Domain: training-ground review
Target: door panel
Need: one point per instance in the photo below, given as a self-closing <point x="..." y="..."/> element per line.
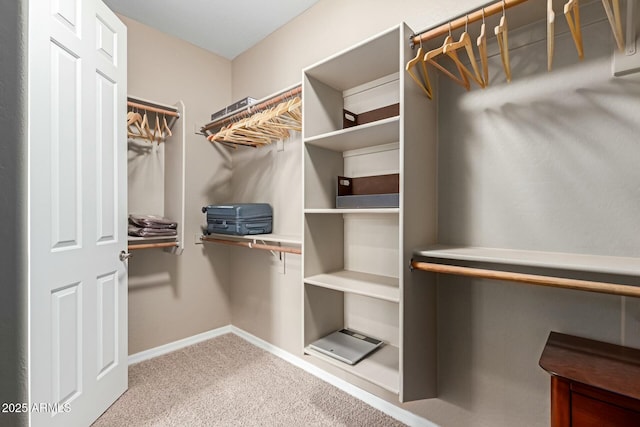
<point x="106" y="41"/>
<point x="67" y="13"/>
<point x="67" y="348"/>
<point x="107" y="331"/>
<point x="66" y="179"/>
<point x="106" y="165"/>
<point x="77" y="205"/>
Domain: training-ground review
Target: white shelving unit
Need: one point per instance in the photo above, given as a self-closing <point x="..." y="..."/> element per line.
<point x="356" y="261"/>
<point x="165" y="197"/>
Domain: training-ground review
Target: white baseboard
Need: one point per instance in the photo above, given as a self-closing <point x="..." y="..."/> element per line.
<point x="390" y="409"/>
<point x="177" y="345"/>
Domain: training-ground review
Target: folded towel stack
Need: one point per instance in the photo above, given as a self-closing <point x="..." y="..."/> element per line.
<point x="151" y="226"/>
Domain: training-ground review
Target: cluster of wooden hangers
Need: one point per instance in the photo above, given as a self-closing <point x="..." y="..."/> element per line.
<point x="451" y="48"/>
<point x="264" y="127"/>
<point x="572" y="14"/>
<point x="138" y="125"/>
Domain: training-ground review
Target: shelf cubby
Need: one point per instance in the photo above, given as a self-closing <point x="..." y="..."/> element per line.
<point x="380" y="368"/>
<point x="329" y="310"/>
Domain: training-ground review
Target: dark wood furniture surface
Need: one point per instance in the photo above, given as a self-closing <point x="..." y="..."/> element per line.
<point x="592" y="383"/>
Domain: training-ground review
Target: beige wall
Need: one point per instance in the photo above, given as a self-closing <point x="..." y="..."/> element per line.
<point x="542" y="163"/>
<point x="266" y="291"/>
<point x="334" y="25"/>
<point x="174" y="297"/>
<point x="323" y="30"/>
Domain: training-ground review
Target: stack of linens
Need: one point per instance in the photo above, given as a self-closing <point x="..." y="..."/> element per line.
<point x="151" y="226"/>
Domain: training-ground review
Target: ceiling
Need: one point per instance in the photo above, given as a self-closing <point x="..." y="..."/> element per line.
<point x="224" y="27"/>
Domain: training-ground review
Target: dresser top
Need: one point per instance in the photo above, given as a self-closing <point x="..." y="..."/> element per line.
<point x="606" y="366"/>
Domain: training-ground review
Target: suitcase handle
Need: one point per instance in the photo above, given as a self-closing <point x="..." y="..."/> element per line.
<point x="220" y="224"/>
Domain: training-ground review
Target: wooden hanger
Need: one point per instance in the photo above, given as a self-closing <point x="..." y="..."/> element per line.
<point x="482" y="50"/>
<point x="222" y="132"/>
<point x="270" y="124"/>
<point x="572" y="13"/>
<point x="290" y="116"/>
<point x="157" y="130"/>
<point x="501" y="32"/>
<point x="424" y="83"/>
<point x="134" y="118"/>
<point x="615" y="20"/>
<point x="264" y="127"/>
<point x="165" y="125"/>
<point x="295" y="110"/>
<point x="146" y="128"/>
<point x="131" y="118"/>
<point x="451" y="50"/>
<point x="235" y="133"/>
<point x="551" y="19"/>
<point x="432" y="54"/>
<point x="249" y="130"/>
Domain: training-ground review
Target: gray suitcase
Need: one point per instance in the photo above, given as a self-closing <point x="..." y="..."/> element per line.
<point x="239" y="219"/>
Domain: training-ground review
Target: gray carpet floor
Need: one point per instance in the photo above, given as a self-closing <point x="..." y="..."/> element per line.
<point x="227" y="381"/>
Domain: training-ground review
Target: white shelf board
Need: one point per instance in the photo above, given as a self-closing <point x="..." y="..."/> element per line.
<point x="380" y="368"/>
<point x="557" y="260"/>
<point x="354" y="211"/>
<point x="371" y="285"/>
<point x="275" y="238"/>
<point x="368" y="135"/>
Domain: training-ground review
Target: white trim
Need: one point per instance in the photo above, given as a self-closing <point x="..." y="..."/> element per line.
<point x="388" y="408"/>
<point x="177" y="345"/>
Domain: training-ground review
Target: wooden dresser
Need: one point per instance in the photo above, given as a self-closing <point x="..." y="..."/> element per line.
<point x="592" y="383"/>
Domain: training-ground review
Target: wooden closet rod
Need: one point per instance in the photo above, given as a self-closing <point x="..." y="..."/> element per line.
<point x="461" y="21"/>
<point x="153" y="245"/>
<point x="531" y="279"/>
<point x="153" y="109"/>
<point x="252" y="245"/>
<point x="253" y="108"/>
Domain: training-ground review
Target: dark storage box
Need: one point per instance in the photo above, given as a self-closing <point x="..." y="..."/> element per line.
<point x="380" y="191"/>
<point x="239" y="219"/>
<point x="350" y="119"/>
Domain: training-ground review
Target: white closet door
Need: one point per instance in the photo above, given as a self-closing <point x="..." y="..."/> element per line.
<point x="77" y="203"/>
